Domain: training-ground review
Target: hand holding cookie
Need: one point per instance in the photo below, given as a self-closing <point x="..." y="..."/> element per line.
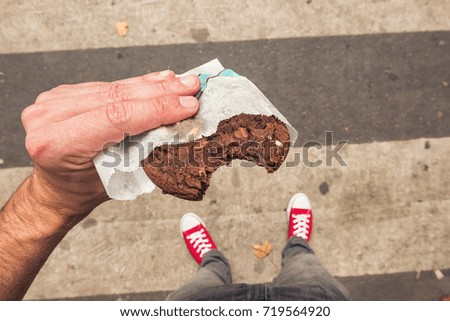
<point x="69" y="125"/>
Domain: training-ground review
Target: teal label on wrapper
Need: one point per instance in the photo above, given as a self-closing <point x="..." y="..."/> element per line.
<point x="205" y="77"/>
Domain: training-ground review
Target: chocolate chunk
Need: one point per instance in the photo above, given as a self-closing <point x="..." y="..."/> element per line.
<point x="185" y="170"/>
<point x="241" y="133"/>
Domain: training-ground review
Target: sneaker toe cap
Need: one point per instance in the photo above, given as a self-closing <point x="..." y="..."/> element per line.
<point x="189" y="221"/>
<point x="301" y="201"/>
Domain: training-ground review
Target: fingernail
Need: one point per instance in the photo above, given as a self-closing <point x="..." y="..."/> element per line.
<point x="188" y="101"/>
<point x="164" y="73"/>
<point x="189" y="81"/>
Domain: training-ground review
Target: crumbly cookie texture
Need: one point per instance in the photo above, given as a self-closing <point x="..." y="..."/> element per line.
<point x="184" y="170"/>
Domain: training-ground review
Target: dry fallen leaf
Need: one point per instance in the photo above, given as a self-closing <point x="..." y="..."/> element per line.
<point x="262" y="250"/>
<point x="418" y="274"/>
<point x="122" y="28"/>
<point x="439" y="275"/>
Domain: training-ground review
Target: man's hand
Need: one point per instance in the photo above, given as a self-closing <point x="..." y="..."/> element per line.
<point x="69" y="125"/>
<point x="66" y="128"/>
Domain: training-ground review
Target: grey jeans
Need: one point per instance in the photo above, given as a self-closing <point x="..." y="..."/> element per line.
<point x="302" y="277"/>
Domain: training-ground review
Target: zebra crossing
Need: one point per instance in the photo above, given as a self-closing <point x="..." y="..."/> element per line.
<point x="374" y="74"/>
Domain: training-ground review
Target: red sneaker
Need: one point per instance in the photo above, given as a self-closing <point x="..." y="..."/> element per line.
<point x="196" y="236"/>
<point x="300" y="217"/>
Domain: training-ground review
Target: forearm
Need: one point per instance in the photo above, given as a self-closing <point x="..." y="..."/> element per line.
<point x="29" y="231"/>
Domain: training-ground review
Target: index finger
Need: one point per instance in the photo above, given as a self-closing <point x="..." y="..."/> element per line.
<point x="87" y="88"/>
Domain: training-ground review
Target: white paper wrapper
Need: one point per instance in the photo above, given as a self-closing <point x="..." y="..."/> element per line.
<point x="119" y="166"/>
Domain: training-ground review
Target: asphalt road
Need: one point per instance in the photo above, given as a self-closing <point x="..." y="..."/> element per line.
<point x="362" y="88"/>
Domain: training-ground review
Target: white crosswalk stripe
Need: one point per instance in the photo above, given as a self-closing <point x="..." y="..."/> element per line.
<point x="376" y="218"/>
<point x="32" y="26"/>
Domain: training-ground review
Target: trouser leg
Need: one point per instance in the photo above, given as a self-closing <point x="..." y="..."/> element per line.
<point x="302" y="270"/>
<point x="213" y="271"/>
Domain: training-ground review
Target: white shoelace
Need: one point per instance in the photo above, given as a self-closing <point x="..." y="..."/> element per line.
<point x="201" y="243"/>
<point x="301" y="224"/>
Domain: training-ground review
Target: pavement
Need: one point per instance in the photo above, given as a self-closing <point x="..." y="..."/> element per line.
<point x="375" y="74"/>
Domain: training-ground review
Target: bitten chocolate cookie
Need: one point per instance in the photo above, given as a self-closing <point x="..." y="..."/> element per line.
<point x="184" y="170"/>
